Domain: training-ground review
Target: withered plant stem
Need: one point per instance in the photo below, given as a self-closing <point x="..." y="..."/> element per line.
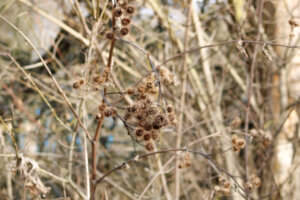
<point x="95" y="141"/>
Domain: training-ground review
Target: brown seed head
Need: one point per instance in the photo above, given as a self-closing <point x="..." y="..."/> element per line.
<point x="98" y="79"/>
<point x="118" y="12"/>
<point x="241" y="143"/>
<point x="266" y="141"/>
<point x="76" y="85"/>
<point x="149" y="85"/>
<point x="124" y="31"/>
<point x="147" y="126"/>
<point x="142" y="96"/>
<point x="226" y="184"/>
<point x="188" y="164"/>
<point x="81" y="81"/>
<point x="147" y="137"/>
<point x="141" y="89"/>
<point x="169" y="109"/>
<point x="236" y="149"/>
<point x="130" y="10"/>
<point x="125" y="21"/>
<point x="255" y="181"/>
<point x="149" y="146"/>
<point x="139" y="132"/>
<point x="293" y="23"/>
<point x="132" y="109"/>
<point x="123" y="4"/>
<point x="130" y="91"/>
<point x="109" y="36"/>
<point x="152" y="111"/>
<point x="140" y="117"/>
<point x="249" y="187"/>
<point x="234" y="139"/>
<point x="108" y="112"/>
<point x="98" y="116"/>
<point x="254" y="132"/>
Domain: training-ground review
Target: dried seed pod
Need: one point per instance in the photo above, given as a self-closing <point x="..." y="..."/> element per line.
<point x="226" y="184"/>
<point x="241" y="143"/>
<point x="254" y="132"/>
<point x="152" y="111"/>
<point x="139" y="132"/>
<point x="293" y="23"/>
<point x="98" y="116"/>
<point x="159" y="118"/>
<point x="124" y="31"/>
<point x="143" y="106"/>
<point x="159" y="121"/>
<point x="169" y="109"/>
<point x="81" y="81"/>
<point x="98" y="79"/>
<point x="147" y="137"/>
<point x="234" y="139"/>
<point x="132" y="109"/>
<point x="130" y="91"/>
<point x="76" y="85"/>
<point x="149" y="146"/>
<point x="236" y="148"/>
<point x="147" y="126"/>
<point x="266" y="141"/>
<point x="142" y="96"/>
<point x="123" y="4"/>
<point x="156" y="126"/>
<point x="188" y="164"/>
<point x="125" y="21"/>
<point x="256" y="182"/>
<point x="118" y="12"/>
<point x="249" y="187"/>
<point x="130" y="10"/>
<point x="149" y="85"/>
<point x="108" y="112"/>
<point x="141" y="89"/>
<point x="109" y="36"/>
<point x="139" y="117"/>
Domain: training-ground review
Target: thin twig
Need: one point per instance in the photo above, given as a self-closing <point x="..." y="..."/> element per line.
<point x="249" y="92"/>
<point x="182" y="103"/>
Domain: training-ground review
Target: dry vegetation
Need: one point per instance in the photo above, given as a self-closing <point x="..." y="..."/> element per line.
<point x="141" y="100"/>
